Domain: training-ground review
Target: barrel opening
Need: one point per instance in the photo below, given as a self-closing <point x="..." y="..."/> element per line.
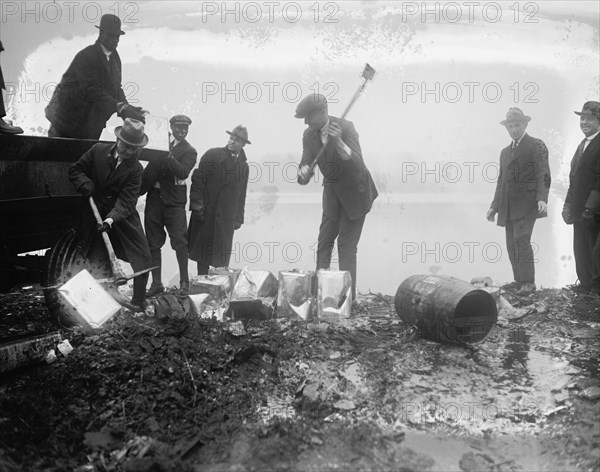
<point x="474" y="317"/>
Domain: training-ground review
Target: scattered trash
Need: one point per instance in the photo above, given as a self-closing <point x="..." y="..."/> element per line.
<point x="591" y="393"/>
<point x="482" y="282"/>
<point x="65" y="347"/>
<point x="27" y="351"/>
<point x="236" y="328"/>
<point x="344" y="405"/>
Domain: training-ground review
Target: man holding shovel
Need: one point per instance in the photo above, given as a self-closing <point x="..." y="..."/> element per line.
<point x="112" y="175"/>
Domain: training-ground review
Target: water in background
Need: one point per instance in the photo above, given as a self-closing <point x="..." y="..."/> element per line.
<point x="404" y="235"/>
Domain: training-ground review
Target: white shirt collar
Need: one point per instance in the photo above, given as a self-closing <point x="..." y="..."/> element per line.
<point x="106" y="52"/>
<point x="589" y="138"/>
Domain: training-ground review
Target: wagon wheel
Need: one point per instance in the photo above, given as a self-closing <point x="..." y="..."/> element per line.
<point x="65" y="260"/>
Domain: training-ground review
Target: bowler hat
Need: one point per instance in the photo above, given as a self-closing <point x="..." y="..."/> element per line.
<point x="132" y="133"/>
<point x="590" y="108"/>
<point x="180" y="120"/>
<point x="310" y="104"/>
<point x="240" y="132"/>
<point x="111" y="24"/>
<point x="515" y="114"/>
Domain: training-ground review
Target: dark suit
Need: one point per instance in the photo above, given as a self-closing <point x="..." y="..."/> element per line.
<point x="348" y="195"/>
<point x="165" y="205"/>
<point x="87" y="95"/>
<point x="524" y="179"/>
<point x="2" y="87"/>
<point x="584" y="192"/>
<point x="116" y="195"/>
<point x="219" y="187"/>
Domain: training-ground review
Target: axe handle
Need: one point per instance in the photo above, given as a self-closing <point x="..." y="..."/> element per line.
<point x="114" y="264"/>
<point x="352" y="102"/>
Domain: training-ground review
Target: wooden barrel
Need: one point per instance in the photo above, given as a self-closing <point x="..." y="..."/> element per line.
<point x="446" y="309"/>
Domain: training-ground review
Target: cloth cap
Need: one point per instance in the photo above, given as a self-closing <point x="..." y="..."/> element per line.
<point x="310" y="104"/>
<point x="132" y="132"/>
<point x="181" y="119"/>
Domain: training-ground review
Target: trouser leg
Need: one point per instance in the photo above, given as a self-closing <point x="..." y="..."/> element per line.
<point x="176" y="224"/>
<point x="155" y="232"/>
<point x="522" y="230"/>
<point x="349" y="235"/>
<point x="582" y="253"/>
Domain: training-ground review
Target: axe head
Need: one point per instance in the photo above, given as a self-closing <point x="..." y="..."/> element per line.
<point x="368" y="73"/>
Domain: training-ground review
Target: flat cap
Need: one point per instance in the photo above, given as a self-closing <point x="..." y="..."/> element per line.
<point x="590" y="108"/>
<point x="181" y="119"/>
<point x="311" y="104"/>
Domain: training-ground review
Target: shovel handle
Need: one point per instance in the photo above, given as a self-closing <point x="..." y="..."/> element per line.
<point x="120" y="277"/>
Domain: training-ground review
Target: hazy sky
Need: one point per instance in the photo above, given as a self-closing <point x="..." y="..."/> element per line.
<point x="447" y="72"/>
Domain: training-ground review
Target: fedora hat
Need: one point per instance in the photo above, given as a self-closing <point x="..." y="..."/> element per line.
<point x="515" y="114"/>
<point x="111" y="24"/>
<point x="590" y="108"/>
<point x="310" y="104"/>
<point x="132" y="133"/>
<point x="240" y="132"/>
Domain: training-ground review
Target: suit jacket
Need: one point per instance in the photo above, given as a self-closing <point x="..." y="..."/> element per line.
<point x="87" y="94"/>
<point x="219" y="187"/>
<point x="116" y="194"/>
<point x="347" y="181"/>
<point x="171" y="173"/>
<point x="584" y="180"/>
<point x="524" y="179"/>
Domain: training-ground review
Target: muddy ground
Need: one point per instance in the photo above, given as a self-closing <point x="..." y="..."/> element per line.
<point x="148" y="394"/>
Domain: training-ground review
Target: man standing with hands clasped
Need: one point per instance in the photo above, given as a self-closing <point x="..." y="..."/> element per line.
<point x="521" y="197"/>
<point x="582" y="203"/>
<point x="217" y="201"/>
<point x="348" y="189"/>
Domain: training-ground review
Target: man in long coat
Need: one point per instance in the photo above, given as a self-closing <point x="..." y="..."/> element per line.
<point x="4" y="126"/>
<point x="348" y="189"/>
<point x="521" y="197"/>
<point x="112" y="174"/>
<point x="582" y="204"/>
<point x="217" y="201"/>
<point x="164" y="181"/>
<point x="90" y="90"/>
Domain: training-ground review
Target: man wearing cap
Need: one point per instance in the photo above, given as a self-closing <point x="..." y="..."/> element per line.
<point x="165" y="183"/>
<point x="582" y="203"/>
<point x="217" y="201"/>
<point x="348" y="189"/>
<point x="521" y="197"/>
<point x="90" y="90"/>
<point x="112" y="174"/>
<point x="5" y="127"/>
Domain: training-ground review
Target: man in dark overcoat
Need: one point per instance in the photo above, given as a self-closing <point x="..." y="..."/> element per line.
<point x="90" y="90"/>
<point x="165" y="183"/>
<point x="5" y="127"/>
<point x="521" y="197"/>
<point x="112" y="174"/>
<point x="582" y="203"/>
<point x="348" y="189"/>
<point x="217" y="201"/>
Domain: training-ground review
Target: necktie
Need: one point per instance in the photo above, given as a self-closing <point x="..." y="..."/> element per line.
<point x="586" y="141"/>
<point x="579" y="153"/>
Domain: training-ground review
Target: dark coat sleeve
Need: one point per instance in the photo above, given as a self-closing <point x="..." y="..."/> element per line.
<point x="183" y="165"/>
<point x="239" y="217"/>
<point x="128" y="196"/>
<point x="543" y="179"/>
<point x="199" y="179"/>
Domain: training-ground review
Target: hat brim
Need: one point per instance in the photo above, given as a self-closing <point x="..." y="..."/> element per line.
<point x="238" y="136"/>
<point x="108" y="31"/>
<point x="579" y="113"/>
<point x="525" y="119"/>
<point x="140" y="144"/>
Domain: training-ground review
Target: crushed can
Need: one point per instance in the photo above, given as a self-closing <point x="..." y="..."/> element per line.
<point x="294" y="299"/>
<point x="87" y="303"/>
<point x="233" y="274"/>
<point x="334" y="294"/>
<point x="254" y="296"/>
<point x="219" y="286"/>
